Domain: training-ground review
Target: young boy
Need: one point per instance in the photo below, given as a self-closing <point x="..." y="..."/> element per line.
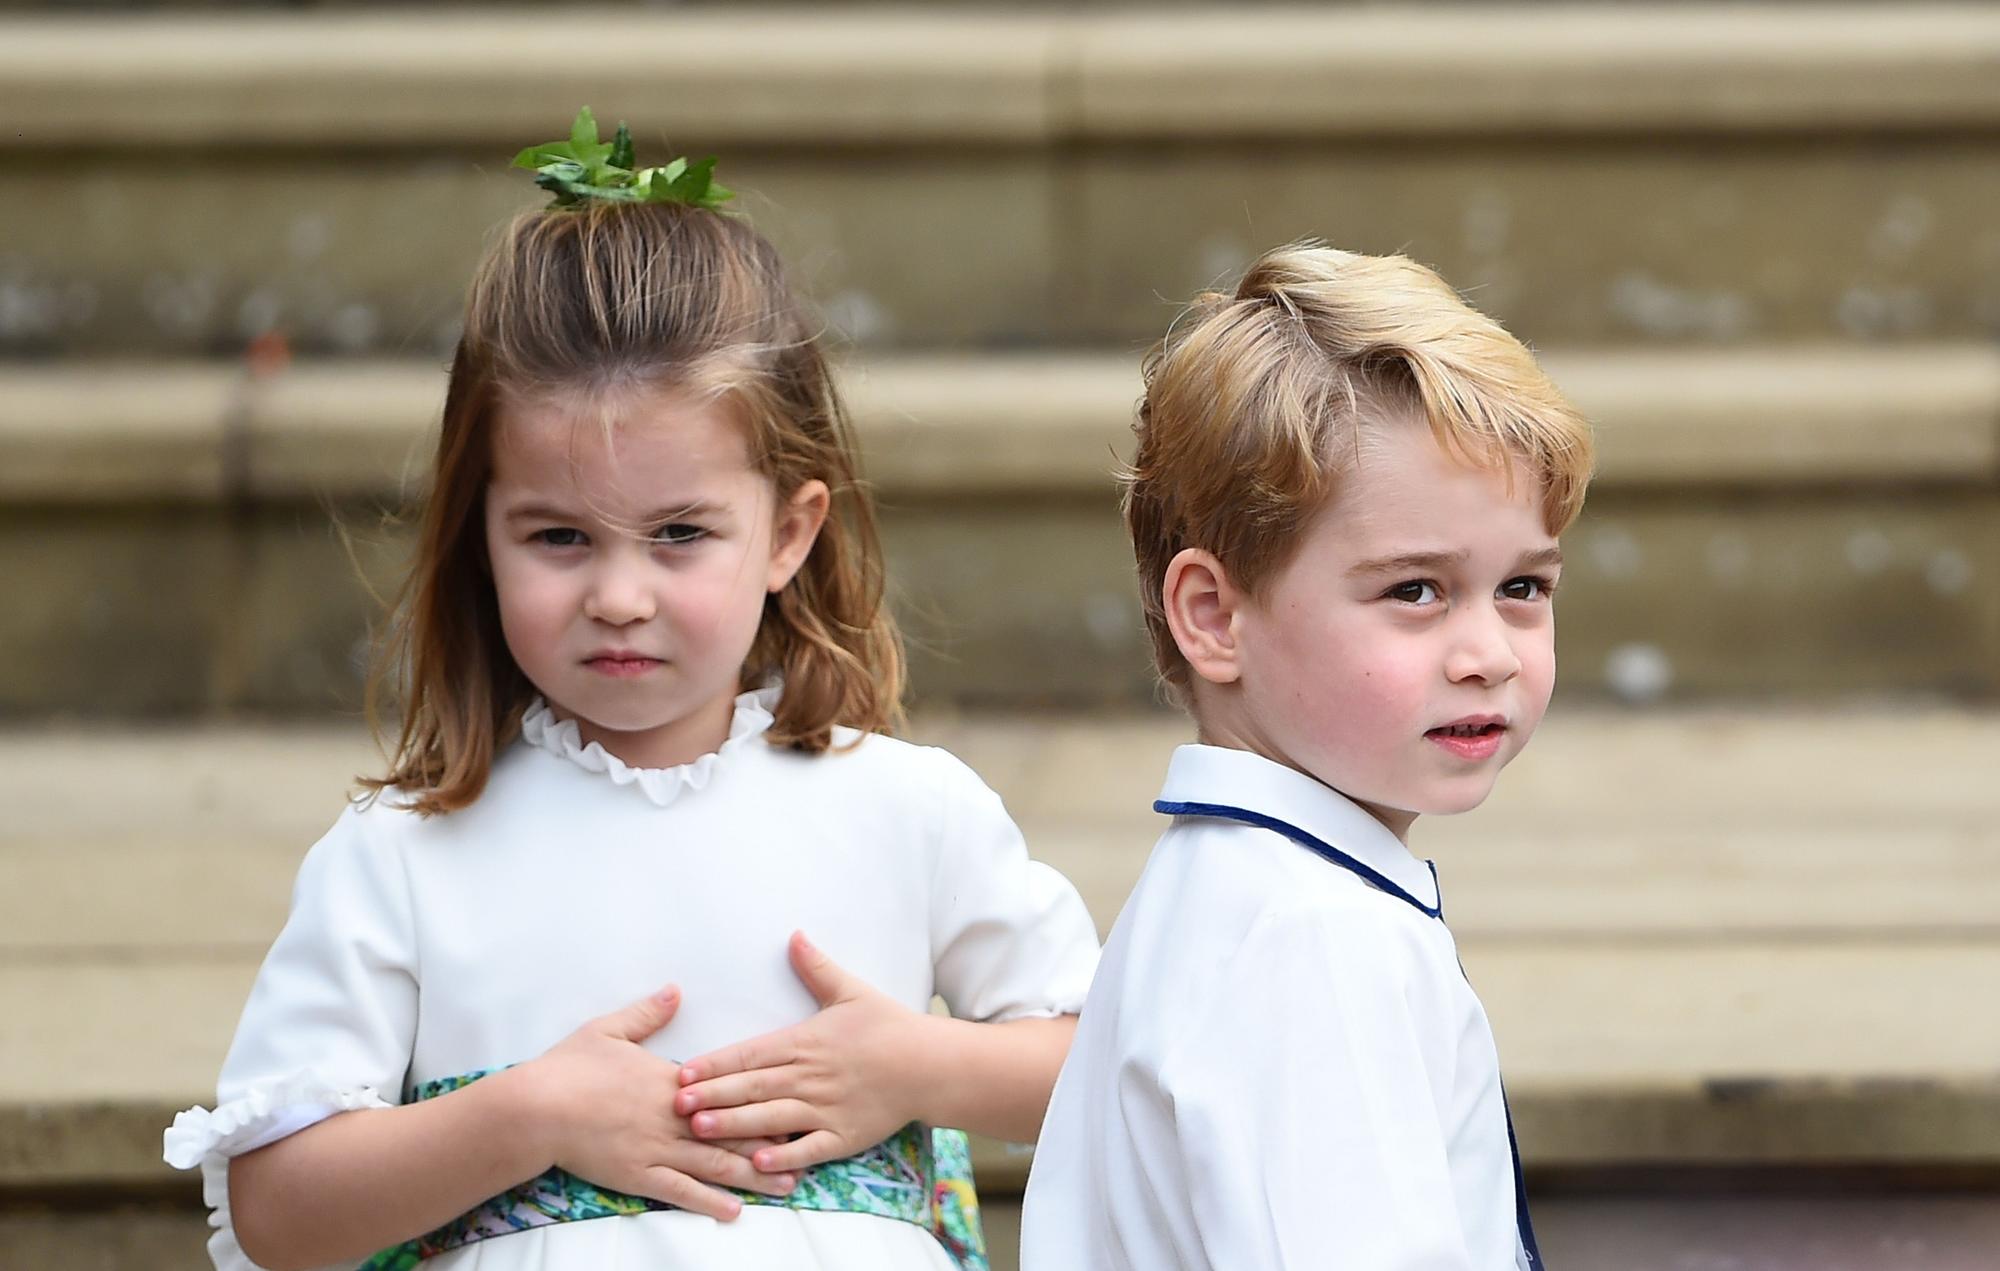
<point x="1345" y="507"/>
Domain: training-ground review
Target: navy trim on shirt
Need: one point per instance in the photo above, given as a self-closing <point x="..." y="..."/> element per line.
<point x="1318" y="846"/>
<point x="1524" y="1226"/>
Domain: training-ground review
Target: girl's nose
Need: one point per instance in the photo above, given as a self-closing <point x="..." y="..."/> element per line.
<point x="618" y="598"/>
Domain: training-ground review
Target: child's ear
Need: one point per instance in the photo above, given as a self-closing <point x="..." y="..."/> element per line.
<point x="795" y="530"/>
<point x="1202" y="605"/>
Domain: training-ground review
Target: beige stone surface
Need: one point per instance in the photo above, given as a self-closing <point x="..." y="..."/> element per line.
<point x="1704" y="938"/>
<point x="330" y="432"/>
<point x="931" y="426"/>
<point x="1663" y="1225"/>
<point x="1657" y="239"/>
<point x="1541" y="69"/>
<point x="317" y="586"/>
<point x="1703" y="1017"/>
<point x="1748" y="826"/>
<point x="118" y="432"/>
<point x="1688" y="594"/>
<point x="1616" y="173"/>
<point x="983" y="77"/>
<point x="118" y="612"/>
<point x="1660" y="240"/>
<point x="1753" y="531"/>
<point x="1022" y="425"/>
<point x="1751" y="596"/>
<point x="187" y="255"/>
<point x="955" y="425"/>
<point x="424" y="77"/>
<point x="131" y="1237"/>
<point x="1790" y="414"/>
<point x="1737" y="1053"/>
<point x="1701" y="594"/>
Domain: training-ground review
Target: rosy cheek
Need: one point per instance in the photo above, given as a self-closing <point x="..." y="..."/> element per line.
<point x="531" y="599"/>
<point x="700" y="600"/>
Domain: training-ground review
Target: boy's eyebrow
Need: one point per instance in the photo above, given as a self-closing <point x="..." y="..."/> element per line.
<point x="1540" y="558"/>
<point x="1410" y="560"/>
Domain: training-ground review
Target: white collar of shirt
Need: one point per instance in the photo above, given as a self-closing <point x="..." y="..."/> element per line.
<point x="751" y="717"/>
<point x="1217" y="781"/>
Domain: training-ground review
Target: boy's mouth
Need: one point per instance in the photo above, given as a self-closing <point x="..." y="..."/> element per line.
<point x="1474" y="738"/>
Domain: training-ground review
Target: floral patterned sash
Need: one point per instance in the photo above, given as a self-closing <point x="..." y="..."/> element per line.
<point x="917" y="1175"/>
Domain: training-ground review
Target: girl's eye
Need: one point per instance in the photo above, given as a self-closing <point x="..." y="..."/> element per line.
<point x="1418" y="592"/>
<point x="679" y="533"/>
<point x="1527" y="588"/>
<point x="560" y="536"/>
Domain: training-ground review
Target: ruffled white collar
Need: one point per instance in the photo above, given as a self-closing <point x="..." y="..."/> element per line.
<point x="561" y="737"/>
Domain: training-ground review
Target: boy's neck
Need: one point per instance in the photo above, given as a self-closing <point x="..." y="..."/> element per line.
<point x="1219" y="728"/>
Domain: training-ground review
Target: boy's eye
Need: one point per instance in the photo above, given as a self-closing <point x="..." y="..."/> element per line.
<point x="1527" y="588"/>
<point x="679" y="532"/>
<point x="560" y="536"/>
<point x="1417" y="592"/>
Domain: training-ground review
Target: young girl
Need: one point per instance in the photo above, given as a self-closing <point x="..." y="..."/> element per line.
<point x="647" y="671"/>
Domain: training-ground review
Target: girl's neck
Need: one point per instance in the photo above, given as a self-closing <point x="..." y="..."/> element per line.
<point x="670" y="745"/>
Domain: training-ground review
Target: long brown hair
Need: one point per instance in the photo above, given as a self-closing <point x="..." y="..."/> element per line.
<point x="602" y="298"/>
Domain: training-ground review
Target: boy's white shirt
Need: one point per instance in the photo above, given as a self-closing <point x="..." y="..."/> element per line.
<point x="1279" y="1065"/>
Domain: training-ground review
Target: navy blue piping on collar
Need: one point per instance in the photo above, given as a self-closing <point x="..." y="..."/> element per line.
<point x="1317" y="846"/>
<point x="1524" y="1225"/>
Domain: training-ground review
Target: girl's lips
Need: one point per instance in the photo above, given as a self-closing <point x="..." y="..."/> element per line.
<point x="1483" y="744"/>
<point x="622" y="666"/>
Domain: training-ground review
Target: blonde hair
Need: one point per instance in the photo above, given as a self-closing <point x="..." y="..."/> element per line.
<point x="601" y="299"/>
<point x="1255" y="401"/>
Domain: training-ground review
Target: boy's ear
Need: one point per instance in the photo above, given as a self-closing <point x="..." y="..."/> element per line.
<point x="1202" y="606"/>
<point x="796" y="530"/>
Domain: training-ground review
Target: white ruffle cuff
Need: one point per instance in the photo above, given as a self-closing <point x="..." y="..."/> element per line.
<point x="268" y="1111"/>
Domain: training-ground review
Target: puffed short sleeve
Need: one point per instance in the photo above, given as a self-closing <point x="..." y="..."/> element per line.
<point x="331" y="1020"/>
<point x="1302" y="1101"/>
<point x="1010" y="937"/>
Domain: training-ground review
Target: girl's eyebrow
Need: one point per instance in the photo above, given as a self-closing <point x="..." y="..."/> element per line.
<point x="537" y="512"/>
<point x="551" y="512"/>
<point x="700" y="507"/>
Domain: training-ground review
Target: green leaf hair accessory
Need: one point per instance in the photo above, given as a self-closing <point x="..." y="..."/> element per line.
<point x="584" y="168"/>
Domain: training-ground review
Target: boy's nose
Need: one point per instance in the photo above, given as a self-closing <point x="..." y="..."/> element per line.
<point x="1483" y="652"/>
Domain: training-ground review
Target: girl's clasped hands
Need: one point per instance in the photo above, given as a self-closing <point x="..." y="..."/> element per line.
<point x="751" y="1116"/>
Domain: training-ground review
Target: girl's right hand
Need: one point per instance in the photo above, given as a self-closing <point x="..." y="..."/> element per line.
<point x="604" y="1108"/>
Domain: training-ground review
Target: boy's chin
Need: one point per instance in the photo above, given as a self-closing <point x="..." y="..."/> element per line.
<point x="1454" y="800"/>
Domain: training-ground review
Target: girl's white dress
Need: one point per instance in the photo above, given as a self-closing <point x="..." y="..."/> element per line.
<point x="420" y="949"/>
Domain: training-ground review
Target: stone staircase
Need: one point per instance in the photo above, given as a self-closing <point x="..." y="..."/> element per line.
<point x="1803" y="521"/>
<point x="1731" y="913"/>
<point x="1728" y="955"/>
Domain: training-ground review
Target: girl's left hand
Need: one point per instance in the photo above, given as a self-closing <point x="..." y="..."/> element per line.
<point x="843" y="1080"/>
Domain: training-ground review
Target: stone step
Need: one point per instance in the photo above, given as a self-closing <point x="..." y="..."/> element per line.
<point x="949" y="426"/>
<point x="225" y="811"/>
<point x="980" y="177"/>
<point x="1753" y="533"/>
<point x="1665" y="1229"/>
<point x="1764" y="960"/>
<point x="984" y="74"/>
